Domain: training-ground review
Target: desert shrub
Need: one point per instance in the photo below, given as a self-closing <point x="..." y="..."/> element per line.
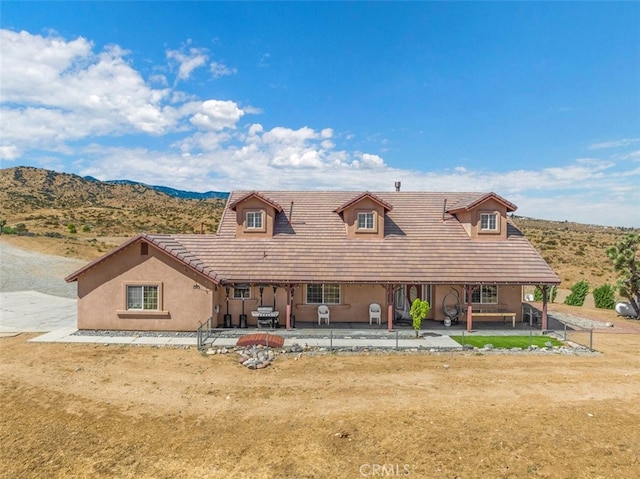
<point x="72" y="228"/>
<point x="19" y="229"/>
<point x="551" y="294"/>
<point x="604" y="297"/>
<point x="53" y="234"/>
<point x="579" y="292"/>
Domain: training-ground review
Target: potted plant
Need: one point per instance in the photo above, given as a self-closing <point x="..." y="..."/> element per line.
<point x="419" y="311"/>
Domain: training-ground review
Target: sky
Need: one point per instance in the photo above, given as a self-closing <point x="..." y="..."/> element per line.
<point x="536" y="101"/>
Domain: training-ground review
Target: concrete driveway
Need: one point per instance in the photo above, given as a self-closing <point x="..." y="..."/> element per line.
<point x="34" y="296"/>
<point x="31" y="311"/>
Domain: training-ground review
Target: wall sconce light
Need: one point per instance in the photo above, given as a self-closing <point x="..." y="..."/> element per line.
<point x="196" y="286"/>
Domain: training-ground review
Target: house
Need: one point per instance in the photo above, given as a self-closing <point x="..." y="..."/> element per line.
<point x="295" y="250"/>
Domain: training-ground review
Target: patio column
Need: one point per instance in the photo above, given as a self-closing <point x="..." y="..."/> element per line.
<point x="289" y="290"/>
<point x="545" y="289"/>
<point x="469" y="308"/>
<point x="390" y="307"/>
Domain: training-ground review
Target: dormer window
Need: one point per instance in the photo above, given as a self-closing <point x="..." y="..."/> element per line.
<point x="489" y="222"/>
<point x="366" y="221"/>
<point x="254" y="220"/>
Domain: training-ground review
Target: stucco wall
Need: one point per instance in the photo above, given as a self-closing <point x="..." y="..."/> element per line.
<point x="354" y="307"/>
<point x="254" y="204"/>
<point x="102" y="296"/>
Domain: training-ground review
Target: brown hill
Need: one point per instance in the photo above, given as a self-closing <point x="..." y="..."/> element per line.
<point x="53" y="205"/>
<point x="105" y="214"/>
<point x="575" y="251"/>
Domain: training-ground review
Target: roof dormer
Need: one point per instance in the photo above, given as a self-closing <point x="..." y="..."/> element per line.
<point x="483" y="216"/>
<point x="364" y="216"/>
<point x="255" y="215"/>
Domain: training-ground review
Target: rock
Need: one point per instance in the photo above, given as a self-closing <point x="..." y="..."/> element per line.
<point x="548" y="344"/>
<point x="488" y="346"/>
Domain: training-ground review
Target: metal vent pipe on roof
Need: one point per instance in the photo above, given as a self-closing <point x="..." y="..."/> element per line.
<point x="398" y="185"/>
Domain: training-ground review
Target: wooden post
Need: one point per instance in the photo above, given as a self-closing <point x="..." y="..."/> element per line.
<point x="469" y="308"/>
<point x="545" y="289"/>
<point x="289" y="290"/>
<point x="390" y="307"/>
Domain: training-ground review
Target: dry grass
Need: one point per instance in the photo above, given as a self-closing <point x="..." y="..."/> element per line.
<point x="87" y="411"/>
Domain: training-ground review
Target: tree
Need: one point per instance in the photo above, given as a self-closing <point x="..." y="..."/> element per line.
<point x="626" y="263"/>
<point x="419" y="311"/>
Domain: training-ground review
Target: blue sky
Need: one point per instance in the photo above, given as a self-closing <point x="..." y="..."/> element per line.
<point x="539" y="102"/>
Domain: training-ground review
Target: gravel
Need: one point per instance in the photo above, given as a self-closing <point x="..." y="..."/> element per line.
<point x="23" y="270"/>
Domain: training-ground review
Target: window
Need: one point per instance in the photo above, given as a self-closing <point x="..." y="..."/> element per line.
<point x="254" y="220"/>
<point x="240" y="292"/>
<point x="366" y="221"/>
<point x="489" y="222"/>
<point x="142" y="297"/>
<point x="485" y="294"/>
<point x="323" y="294"/>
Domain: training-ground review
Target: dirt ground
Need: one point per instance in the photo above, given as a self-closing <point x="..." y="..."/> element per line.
<point x="87" y="411"/>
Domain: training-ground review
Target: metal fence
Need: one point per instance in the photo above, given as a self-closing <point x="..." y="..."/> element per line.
<point x="576" y="334"/>
<point x="204" y="332"/>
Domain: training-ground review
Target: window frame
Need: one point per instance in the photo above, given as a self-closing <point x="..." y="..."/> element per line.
<point x="254" y="214"/>
<point x="371" y="215"/>
<point x="158" y="296"/>
<point x="325" y="296"/>
<point x="369" y="222"/>
<point x="495" y="228"/>
<point x="241" y="288"/>
<point x="485" y="294"/>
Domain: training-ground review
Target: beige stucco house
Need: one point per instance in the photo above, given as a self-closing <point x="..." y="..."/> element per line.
<point x="295" y="250"/>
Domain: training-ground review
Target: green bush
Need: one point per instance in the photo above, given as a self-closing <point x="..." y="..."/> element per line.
<point x="19" y="229"/>
<point x="551" y="294"/>
<point x="579" y="292"/>
<point x="419" y="311"/>
<point x="604" y="297"/>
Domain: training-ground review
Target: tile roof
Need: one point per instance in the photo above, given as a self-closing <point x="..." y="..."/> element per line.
<point x="310" y="245"/>
<point x="362" y="196"/>
<point x="164" y="243"/>
<point x="473" y="199"/>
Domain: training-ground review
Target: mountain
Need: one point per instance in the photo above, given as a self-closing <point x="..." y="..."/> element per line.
<point x="47" y="202"/>
<point x="185" y="195"/>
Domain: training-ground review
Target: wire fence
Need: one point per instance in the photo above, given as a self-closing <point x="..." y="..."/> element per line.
<point x="576" y="334"/>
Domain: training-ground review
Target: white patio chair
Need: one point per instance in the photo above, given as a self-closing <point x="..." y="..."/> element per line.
<point x="375" y="313"/>
<point x="323" y="313"/>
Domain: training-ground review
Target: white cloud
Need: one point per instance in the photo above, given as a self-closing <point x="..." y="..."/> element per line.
<point x="220" y="70"/>
<point x="9" y="153"/>
<point x="613" y="143"/>
<point x="216" y="115"/>
<point x="187" y="59"/>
